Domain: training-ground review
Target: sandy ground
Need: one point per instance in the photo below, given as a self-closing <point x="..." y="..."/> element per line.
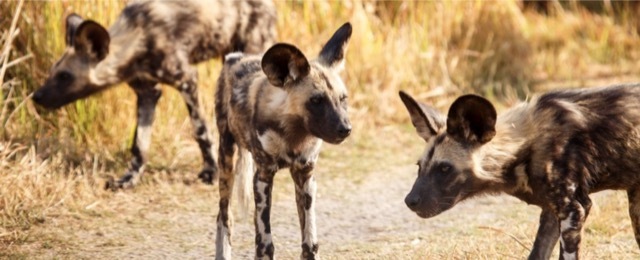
<point x="360" y="215"/>
<point x="365" y="219"/>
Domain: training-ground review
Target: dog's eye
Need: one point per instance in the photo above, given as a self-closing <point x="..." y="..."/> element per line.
<point x="63" y="76"/>
<point x="445" y="168"/>
<point x="316" y="100"/>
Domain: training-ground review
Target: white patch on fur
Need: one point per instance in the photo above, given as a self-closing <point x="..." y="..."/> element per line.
<point x="565" y="224"/>
<point x="143" y="138"/>
<point x="274" y="144"/>
<point x="223" y="241"/>
<point x="548" y="167"/>
<point x="310" y="234"/>
<point x="572" y="187"/>
<point x="338" y="86"/>
<point x="293" y="71"/>
<point x="568" y="256"/>
<point x="478" y="158"/>
<point x="244" y="171"/>
<point x="277" y="99"/>
<point x="234" y="55"/>
<point x="338" y="67"/>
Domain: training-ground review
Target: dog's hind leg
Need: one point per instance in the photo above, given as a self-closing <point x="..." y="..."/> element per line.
<point x="305" y="199"/>
<point x="225" y="187"/>
<point x="189" y="91"/>
<point x="633" y="195"/>
<point x="148" y="93"/>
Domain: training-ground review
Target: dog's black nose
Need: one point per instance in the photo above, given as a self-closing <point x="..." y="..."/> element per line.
<point x="412" y="201"/>
<point x="37" y="96"/>
<point x="344" y="130"/>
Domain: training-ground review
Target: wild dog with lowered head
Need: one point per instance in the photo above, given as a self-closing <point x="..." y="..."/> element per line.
<point x="277" y="109"/>
<point x="551" y="152"/>
<point x="153" y="43"/>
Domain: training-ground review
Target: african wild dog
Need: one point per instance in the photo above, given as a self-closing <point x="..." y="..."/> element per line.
<point x="277" y="109"/>
<point x="551" y="152"/>
<point x="153" y="43"/>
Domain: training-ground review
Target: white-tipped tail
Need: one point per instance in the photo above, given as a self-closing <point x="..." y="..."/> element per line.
<point x="244" y="172"/>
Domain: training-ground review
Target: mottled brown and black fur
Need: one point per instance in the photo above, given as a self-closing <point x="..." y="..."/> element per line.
<point x="551" y="152"/>
<point x="277" y="109"/>
<point x="153" y="43"/>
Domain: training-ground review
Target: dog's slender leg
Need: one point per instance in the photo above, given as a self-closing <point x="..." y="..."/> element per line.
<point x="148" y="93"/>
<point x="572" y="211"/>
<point x="306" y="199"/>
<point x="633" y="195"/>
<point x="262" y="187"/>
<point x="547" y="237"/>
<point x="189" y="91"/>
<point x="225" y="187"/>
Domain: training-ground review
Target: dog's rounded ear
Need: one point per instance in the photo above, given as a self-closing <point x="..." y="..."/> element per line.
<point x="72" y="22"/>
<point x="284" y="62"/>
<point x="472" y="120"/>
<point x="92" y="39"/>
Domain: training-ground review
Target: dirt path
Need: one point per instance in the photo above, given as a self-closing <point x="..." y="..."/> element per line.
<point x="179" y="223"/>
<point x="360" y="215"/>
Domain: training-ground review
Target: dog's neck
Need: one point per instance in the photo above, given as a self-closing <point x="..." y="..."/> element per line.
<point x="500" y="155"/>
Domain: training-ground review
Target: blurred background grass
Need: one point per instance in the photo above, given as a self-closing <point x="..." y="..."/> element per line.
<point x="433" y="49"/>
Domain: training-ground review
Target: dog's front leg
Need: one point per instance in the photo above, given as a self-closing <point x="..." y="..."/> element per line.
<point x="262" y="187"/>
<point x="547" y="237"/>
<point x="148" y="93"/>
<point x="305" y="199"/>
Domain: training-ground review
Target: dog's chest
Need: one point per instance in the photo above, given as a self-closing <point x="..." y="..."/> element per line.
<point x="284" y="154"/>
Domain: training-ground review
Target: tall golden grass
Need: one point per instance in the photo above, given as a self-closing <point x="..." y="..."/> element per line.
<point x="434" y="49"/>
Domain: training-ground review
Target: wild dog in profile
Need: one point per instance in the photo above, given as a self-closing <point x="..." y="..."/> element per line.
<point x="153" y="43"/>
<point x="277" y="109"/>
<point x="551" y="152"/>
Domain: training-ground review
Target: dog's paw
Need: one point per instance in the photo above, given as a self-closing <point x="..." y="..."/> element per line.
<point x="127" y="181"/>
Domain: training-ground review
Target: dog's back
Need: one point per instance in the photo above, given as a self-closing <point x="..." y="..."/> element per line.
<point x="595" y="130"/>
<point x="203" y="29"/>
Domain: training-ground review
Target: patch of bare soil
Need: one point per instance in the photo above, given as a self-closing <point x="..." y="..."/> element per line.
<point x="364" y="219"/>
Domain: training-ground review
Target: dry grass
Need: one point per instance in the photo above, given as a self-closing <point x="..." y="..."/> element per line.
<point x="53" y="164"/>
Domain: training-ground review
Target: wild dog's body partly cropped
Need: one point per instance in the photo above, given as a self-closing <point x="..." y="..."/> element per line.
<point x="551" y="152"/>
<point x="277" y="109"/>
<point x="152" y="43"/>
